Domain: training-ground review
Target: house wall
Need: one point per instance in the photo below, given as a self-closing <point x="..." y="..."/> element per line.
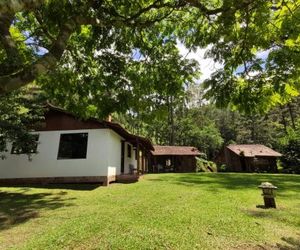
<point x="103" y="157"/>
<point x="114" y="154"/>
<point x="251" y="164"/>
<point x="179" y="163"/>
<point x="185" y="163"/>
<point x="262" y="164"/>
<point x="232" y="160"/>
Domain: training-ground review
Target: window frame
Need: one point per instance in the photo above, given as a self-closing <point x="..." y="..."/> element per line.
<point x="59" y="157"/>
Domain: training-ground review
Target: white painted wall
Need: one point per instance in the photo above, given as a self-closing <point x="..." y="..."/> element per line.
<point x="103" y="157"/>
<point x="128" y="161"/>
<point x="114" y="154"/>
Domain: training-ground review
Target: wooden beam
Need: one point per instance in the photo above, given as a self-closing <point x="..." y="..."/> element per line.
<point x="143" y="161"/>
<point x="138" y="155"/>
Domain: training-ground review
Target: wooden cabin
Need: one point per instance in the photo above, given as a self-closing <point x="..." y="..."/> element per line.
<point x="250" y="158"/>
<point x="180" y="159"/>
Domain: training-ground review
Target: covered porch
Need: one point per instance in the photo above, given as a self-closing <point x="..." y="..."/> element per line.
<point x="134" y="153"/>
<point x="134" y="157"/>
<point x="134" y="161"/>
<point x="178" y="159"/>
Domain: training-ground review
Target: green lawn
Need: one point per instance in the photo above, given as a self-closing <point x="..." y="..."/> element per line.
<point x="163" y="211"/>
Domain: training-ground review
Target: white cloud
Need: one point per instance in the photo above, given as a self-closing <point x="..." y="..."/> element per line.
<point x="207" y="65"/>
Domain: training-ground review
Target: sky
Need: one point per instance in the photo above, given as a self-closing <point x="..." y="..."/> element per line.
<point x="260" y="55"/>
<point x="37" y="49"/>
<point x="207" y="65"/>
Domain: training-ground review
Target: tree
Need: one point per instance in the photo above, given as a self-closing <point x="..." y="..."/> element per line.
<point x="19" y="114"/>
<point x="290" y="148"/>
<point x="49" y="25"/>
<point x="48" y="32"/>
<point x="260" y="54"/>
<point x="94" y="57"/>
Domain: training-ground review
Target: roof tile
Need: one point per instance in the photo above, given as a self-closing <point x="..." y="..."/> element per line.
<point x="253" y="150"/>
<point x="175" y="150"/>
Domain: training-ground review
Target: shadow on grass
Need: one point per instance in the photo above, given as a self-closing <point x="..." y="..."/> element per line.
<point x="19" y="207"/>
<point x="273" y="214"/>
<point x="81" y="187"/>
<point x="290" y="243"/>
<point x="232" y="180"/>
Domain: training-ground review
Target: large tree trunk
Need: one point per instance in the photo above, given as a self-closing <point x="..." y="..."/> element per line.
<point x="283" y="119"/>
<point x="171" y="120"/>
<point x="41" y="66"/>
<point x="291" y="115"/>
<point x="252" y="128"/>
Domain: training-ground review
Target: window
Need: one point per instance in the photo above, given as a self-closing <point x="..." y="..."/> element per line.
<point x="168" y="162"/>
<point x="26" y="148"/>
<point x="128" y="151"/>
<point x="72" y="146"/>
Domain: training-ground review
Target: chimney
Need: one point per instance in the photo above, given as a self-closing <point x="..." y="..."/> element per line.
<point x="108" y="118"/>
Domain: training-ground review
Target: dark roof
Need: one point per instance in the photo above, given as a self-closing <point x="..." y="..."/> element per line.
<point x="175" y="150"/>
<point x="133" y="139"/>
<point x="252" y="150"/>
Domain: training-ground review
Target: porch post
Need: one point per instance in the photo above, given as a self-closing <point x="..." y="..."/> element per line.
<point x="155" y="164"/>
<point x="143" y="161"/>
<point x="146" y="162"/>
<point x="138" y="155"/>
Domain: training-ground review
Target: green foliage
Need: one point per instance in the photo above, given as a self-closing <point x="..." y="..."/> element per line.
<point x="253" y="40"/>
<point x="188" y="126"/>
<point x="290" y="148"/>
<point x="129" y="77"/>
<point x="223" y="168"/>
<point x="205" y="165"/>
<point x="259" y="51"/>
<point x="19" y="113"/>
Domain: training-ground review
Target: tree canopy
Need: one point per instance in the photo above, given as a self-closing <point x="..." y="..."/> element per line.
<point x="100" y="50"/>
<point x="95" y="57"/>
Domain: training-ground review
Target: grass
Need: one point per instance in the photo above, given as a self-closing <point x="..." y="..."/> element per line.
<point x="162" y="211"/>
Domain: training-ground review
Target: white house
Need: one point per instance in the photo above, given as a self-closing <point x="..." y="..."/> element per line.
<point x="70" y="150"/>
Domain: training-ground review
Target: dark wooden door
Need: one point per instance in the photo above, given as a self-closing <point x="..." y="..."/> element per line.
<point x="243" y="164"/>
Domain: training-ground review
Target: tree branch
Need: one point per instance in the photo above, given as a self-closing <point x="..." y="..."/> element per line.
<point x="5" y="37"/>
<point x="42" y="26"/>
<point x="12" y="7"/>
<point x="206" y="11"/>
<point x="42" y="65"/>
<point x="203" y="8"/>
<point x="156" y="5"/>
<point x="49" y="60"/>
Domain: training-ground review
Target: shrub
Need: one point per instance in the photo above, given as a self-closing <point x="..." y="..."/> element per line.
<point x="223" y="168"/>
<point x="291" y="157"/>
<point x="290" y="149"/>
<point x="204" y="165"/>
